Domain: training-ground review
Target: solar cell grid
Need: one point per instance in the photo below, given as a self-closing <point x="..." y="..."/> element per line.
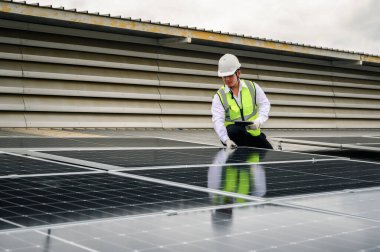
<point x="57" y="199"/>
<point x="356" y="170"/>
<point x="361" y="203"/>
<point x="32" y="241"/>
<point x="18" y="165"/>
<point x="255" y="228"/>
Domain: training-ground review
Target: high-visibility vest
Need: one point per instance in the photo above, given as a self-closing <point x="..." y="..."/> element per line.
<point x="248" y="110"/>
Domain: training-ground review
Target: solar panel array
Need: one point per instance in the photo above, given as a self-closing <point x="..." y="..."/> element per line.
<point x="174" y="196"/>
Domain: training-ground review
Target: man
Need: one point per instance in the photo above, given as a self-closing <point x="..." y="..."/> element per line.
<point x="239" y="100"/>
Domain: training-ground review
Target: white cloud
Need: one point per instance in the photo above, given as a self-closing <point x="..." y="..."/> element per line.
<point x="339" y="24"/>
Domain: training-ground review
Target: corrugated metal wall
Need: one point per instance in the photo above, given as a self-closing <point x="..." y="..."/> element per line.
<point x="52" y="80"/>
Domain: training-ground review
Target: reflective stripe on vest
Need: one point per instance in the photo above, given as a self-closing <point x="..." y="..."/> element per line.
<point x="248" y="103"/>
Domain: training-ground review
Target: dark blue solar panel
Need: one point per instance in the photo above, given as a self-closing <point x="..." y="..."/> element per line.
<point x="19" y="165"/>
<point x="58" y="199"/>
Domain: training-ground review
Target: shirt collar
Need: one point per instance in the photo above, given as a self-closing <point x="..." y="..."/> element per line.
<point x="242" y="84"/>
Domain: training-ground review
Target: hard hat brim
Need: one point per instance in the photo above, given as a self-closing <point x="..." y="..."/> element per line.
<point x="224" y="74"/>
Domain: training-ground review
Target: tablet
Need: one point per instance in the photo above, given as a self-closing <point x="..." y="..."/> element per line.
<point x="243" y="123"/>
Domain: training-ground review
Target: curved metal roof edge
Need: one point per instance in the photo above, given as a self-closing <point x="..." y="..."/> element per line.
<point x="36" y="10"/>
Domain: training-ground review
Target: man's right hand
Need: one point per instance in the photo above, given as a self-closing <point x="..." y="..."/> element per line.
<point x="255" y="125"/>
<point x="231" y="144"/>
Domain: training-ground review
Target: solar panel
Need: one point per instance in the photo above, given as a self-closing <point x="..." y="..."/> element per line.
<point x="120" y="159"/>
<point x="274" y="180"/>
<point x="361" y="203"/>
<point x="6" y="225"/>
<point x="66" y="198"/>
<point x="362" y="155"/>
<point x="347" y="169"/>
<point x="359" y="143"/>
<point x="34" y="241"/>
<point x="339" y="140"/>
<point x="254" y="228"/>
<point x="51" y="142"/>
<point x="11" y="164"/>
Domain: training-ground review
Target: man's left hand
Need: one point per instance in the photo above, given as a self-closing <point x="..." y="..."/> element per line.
<point x="255" y="125"/>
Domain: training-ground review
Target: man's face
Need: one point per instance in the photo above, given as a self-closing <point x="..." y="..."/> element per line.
<point x="232" y="80"/>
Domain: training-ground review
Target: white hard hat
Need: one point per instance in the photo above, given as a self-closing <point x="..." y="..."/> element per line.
<point x="228" y="64"/>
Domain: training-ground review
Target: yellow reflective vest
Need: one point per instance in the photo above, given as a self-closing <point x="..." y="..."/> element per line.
<point x="248" y="110"/>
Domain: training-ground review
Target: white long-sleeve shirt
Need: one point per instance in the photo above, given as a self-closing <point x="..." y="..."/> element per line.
<point x="218" y="114"/>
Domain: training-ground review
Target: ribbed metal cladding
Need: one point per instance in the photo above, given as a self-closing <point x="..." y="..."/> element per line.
<point x="52" y="80"/>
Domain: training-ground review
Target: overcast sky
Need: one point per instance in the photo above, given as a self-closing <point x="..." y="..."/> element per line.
<point x="340" y="24"/>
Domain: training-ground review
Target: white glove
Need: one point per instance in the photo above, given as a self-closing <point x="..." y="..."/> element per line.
<point x="231" y="144"/>
<point x="255" y="125"/>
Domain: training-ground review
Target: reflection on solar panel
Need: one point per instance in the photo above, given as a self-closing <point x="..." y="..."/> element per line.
<point x="256" y="228"/>
<point x="55" y="199"/>
<point x="274" y="180"/>
<point x="364" y="204"/>
<point x="15" y="164"/>
<point x="49" y="142"/>
<point x="176" y="157"/>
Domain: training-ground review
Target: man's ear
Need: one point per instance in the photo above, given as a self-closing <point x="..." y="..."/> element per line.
<point x="238" y="73"/>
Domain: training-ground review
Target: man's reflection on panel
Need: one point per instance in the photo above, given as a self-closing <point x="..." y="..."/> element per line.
<point x="245" y="179"/>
